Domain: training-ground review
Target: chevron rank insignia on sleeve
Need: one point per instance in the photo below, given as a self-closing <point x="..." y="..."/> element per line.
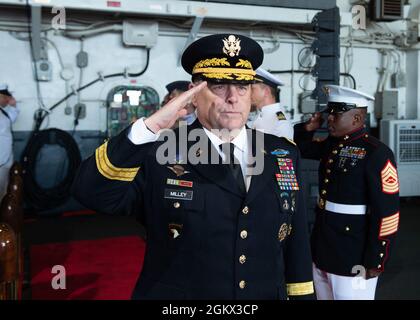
<point x="389" y="225"/>
<point x="389" y="178"/>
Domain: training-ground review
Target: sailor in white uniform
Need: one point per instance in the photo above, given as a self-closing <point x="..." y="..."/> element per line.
<point x="270" y="115"/>
<point x="8" y="115"/>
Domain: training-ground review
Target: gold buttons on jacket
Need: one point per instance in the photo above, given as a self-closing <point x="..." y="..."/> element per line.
<point x="328" y="170"/>
<point x="326" y="180"/>
<point x="335" y="151"/>
<point x="330" y="161"/>
<point x="346" y="137"/>
<point x="177" y="205"/>
<point x="366" y="135"/>
<point x="383" y="243"/>
<point x="323" y="192"/>
<point x="381" y="255"/>
<point x="347" y="228"/>
<point x="245" y="210"/>
<point x="242" y="284"/>
<point x="344" y="170"/>
<point x="242" y="259"/>
<point x="379" y="266"/>
<point x="341" y="145"/>
<point x="244" y="234"/>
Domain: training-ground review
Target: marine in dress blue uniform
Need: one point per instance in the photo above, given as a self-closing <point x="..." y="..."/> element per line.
<point x="207" y="237"/>
<point x="358" y="209"/>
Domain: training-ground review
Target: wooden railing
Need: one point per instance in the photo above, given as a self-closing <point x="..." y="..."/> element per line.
<point x="11" y="253"/>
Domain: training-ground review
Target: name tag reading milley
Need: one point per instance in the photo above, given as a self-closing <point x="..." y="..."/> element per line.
<point x="178" y="194"/>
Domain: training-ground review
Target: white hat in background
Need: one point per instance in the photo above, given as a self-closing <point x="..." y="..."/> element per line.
<point x="343" y="94"/>
<point x="4" y="90"/>
<point x="342" y="99"/>
<point x="268" y="78"/>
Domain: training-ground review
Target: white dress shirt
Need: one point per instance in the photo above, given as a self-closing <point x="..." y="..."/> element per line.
<point x="139" y="134"/>
<point x="240" y="152"/>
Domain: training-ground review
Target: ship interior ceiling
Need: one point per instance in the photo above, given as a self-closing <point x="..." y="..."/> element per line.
<point x="74" y="87"/>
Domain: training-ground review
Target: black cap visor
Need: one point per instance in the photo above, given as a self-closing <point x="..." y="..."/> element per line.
<point x="339" y="107"/>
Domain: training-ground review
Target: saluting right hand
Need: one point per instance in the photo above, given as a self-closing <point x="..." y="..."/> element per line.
<point x="12" y="102"/>
<point x="165" y="117"/>
<point x="314" y="122"/>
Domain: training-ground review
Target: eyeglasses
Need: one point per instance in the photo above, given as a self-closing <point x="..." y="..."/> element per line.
<point x="222" y="89"/>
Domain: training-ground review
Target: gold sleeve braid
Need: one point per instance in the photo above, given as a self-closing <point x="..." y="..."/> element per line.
<point x="108" y="170"/>
<point x="300" y="288"/>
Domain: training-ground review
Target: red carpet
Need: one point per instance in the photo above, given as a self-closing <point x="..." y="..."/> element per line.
<point x="95" y="269"/>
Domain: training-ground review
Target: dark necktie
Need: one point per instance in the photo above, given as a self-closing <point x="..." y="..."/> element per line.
<point x="234" y="165"/>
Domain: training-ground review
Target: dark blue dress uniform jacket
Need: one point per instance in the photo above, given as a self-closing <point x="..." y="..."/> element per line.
<point x="206" y="240"/>
<point x="356" y="169"/>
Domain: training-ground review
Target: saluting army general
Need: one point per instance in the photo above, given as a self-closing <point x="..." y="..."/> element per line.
<point x="358" y="209"/>
<point x="214" y="230"/>
<point x="270" y="116"/>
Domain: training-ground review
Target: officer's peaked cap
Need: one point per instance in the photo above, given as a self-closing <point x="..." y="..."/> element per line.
<point x="4" y="89"/>
<point x="346" y="95"/>
<point x="229" y="57"/>
<point x="268" y="78"/>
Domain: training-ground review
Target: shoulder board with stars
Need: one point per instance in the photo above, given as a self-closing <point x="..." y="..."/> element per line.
<point x="280" y="115"/>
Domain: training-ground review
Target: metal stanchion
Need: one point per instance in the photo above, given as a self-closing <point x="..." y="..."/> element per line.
<point x="15" y="189"/>
<point x="8" y="263"/>
<point x="11" y="213"/>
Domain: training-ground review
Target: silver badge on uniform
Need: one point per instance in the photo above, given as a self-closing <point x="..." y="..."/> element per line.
<point x="178" y="170"/>
<point x="293" y="200"/>
<point x="285" y="201"/>
<point x="175" y="230"/>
